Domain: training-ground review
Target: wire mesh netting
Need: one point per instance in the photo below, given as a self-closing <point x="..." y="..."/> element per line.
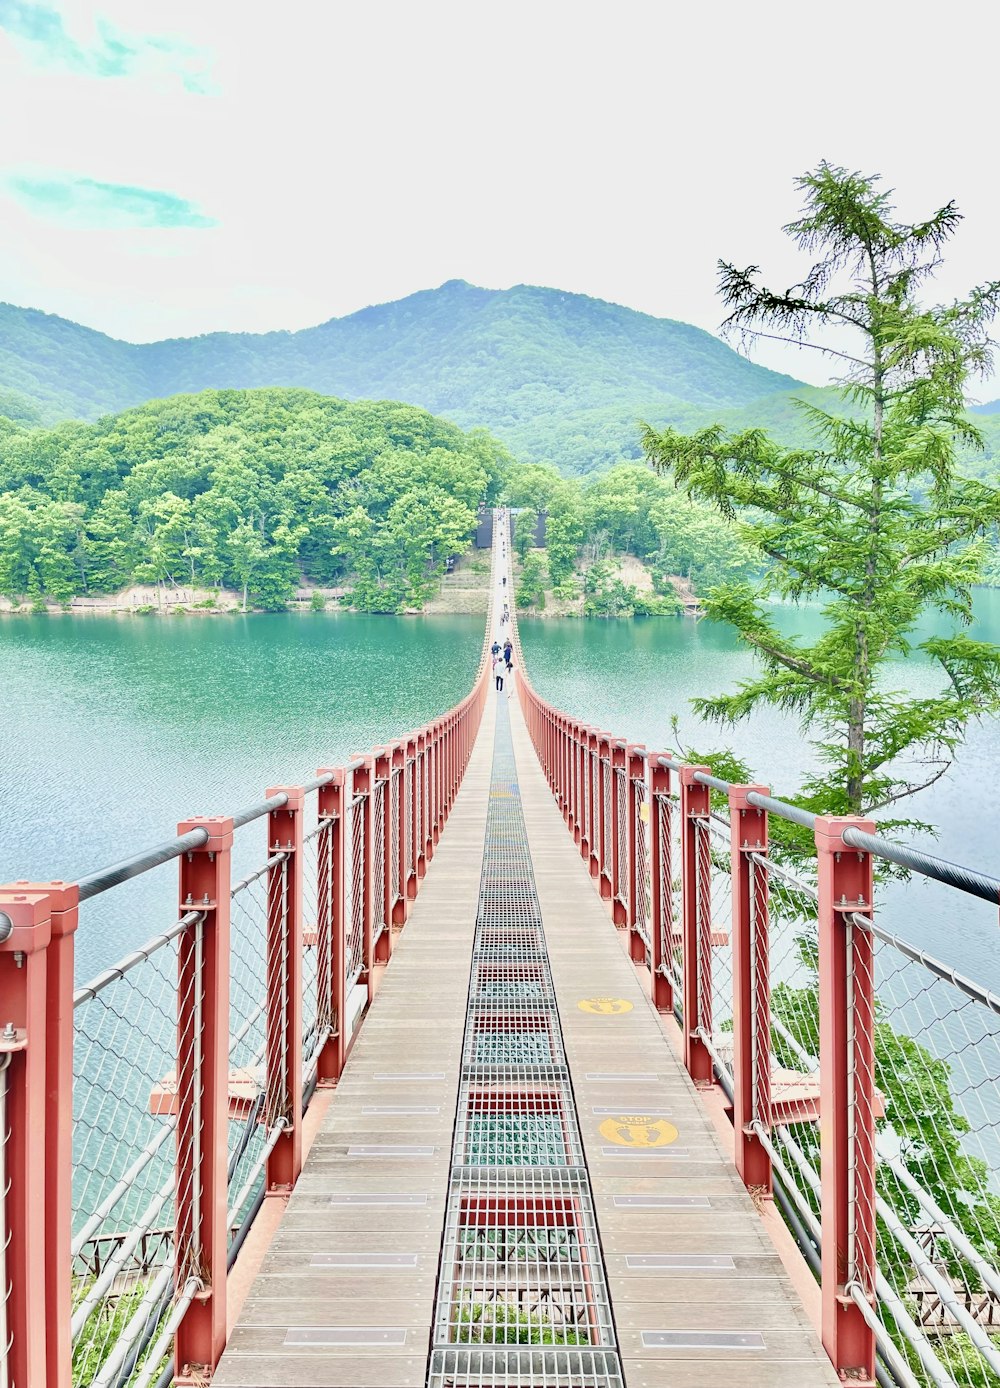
<point x="380" y="917"/>
<point x="394" y="794"/>
<point x="357" y="886"/>
<point x="124" y="1154"/>
<point x="638" y="816"/>
<point x="928" y="1091"/>
<point x="622" y="844"/>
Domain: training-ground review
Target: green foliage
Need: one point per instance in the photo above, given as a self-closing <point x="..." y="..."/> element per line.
<point x="497" y="1322"/>
<point x="317" y="602"/>
<point x="531" y="581"/>
<point x="607" y="595"/>
<point x="556" y="376"/>
<point x="104" y="1329"/>
<point x="525" y="525"/>
<point x="874" y="518"/>
<point x="253" y="490"/>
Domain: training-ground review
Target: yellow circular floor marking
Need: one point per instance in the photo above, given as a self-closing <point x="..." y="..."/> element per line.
<point x="604" y="1007"/>
<point x="631" y="1130"/>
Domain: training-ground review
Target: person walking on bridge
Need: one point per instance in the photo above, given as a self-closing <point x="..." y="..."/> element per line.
<point x="498" y="671"/>
<point x="508" y="654"/>
<point x="495" y="649"/>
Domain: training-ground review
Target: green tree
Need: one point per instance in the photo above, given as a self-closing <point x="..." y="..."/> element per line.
<point x="531" y="581"/>
<point x="874" y="519"/>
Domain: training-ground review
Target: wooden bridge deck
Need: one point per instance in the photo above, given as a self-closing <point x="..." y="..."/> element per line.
<point x="346" y="1294"/>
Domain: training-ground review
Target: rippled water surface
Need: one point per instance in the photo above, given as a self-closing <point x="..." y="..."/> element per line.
<point x="113" y="729"/>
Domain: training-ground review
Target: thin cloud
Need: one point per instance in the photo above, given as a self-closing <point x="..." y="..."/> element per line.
<point x="86" y="202"/>
<point x="111" y="52"/>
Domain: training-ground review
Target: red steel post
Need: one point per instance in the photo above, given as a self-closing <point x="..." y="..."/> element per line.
<point x="438" y="803"/>
<point x="583" y="752"/>
<point x="617" y="889"/>
<point x="847" y="1095"/>
<point x="413" y="814"/>
<point x="420" y="804"/>
<point x="283" y="1064"/>
<point x="751" y="986"/>
<point x="401" y="904"/>
<point x="635" y="776"/>
<point x="28" y="1234"/>
<point x="661" y="921"/>
<point x="331" y="955"/>
<point x="382" y="870"/>
<point x="429" y="792"/>
<point x="363" y="826"/>
<point x="202" y="1146"/>
<point x="696" y="899"/>
<point x="606" y="800"/>
<point x="590" y="846"/>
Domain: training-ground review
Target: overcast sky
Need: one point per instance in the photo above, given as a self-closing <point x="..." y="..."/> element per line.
<point x="176" y="166"/>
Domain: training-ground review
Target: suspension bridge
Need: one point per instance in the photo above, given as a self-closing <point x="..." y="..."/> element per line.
<point x="518" y="1056"/>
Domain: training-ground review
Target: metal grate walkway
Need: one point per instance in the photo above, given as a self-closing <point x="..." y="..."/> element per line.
<point x="522" y="1296"/>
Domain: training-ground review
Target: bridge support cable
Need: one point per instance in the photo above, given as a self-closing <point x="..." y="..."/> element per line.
<point x="870" y="1063"/>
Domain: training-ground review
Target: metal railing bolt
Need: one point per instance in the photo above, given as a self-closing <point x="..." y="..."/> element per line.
<point x="189" y="900"/>
<point x="9" y="1033"/>
<point x="19" y="959"/>
<point x="204" y="900"/>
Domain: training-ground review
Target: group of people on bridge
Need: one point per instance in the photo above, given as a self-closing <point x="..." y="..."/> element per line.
<point x="503" y="655"/>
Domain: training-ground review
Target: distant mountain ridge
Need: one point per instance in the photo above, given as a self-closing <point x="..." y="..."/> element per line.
<point x="556" y="376"/>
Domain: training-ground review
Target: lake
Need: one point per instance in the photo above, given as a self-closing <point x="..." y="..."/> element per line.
<point x="115" y="728"/>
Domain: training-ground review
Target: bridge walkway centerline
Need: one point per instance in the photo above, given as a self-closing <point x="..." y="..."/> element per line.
<point x="352" y="1286"/>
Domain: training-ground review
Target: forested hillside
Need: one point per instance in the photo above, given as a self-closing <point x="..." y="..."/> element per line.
<point x="558" y="377"/>
<point x="251" y="490"/>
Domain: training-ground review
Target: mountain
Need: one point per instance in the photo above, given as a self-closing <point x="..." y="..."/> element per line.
<point x="991" y="407"/>
<point x="557" y="377"/>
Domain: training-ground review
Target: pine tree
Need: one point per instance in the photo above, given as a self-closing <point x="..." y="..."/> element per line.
<point x="875" y="520"/>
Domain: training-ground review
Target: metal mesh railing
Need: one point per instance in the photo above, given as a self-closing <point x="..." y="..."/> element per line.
<point x="357" y="887"/>
<point x="380" y="919"/>
<point x="124" y="1155"/>
<point x="643" y="885"/>
<point x="621" y="847"/>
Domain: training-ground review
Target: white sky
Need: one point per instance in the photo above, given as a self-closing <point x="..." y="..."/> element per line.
<point x="345" y="154"/>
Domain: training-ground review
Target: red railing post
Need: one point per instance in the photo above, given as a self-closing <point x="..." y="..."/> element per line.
<point x="429" y="792"/>
<point x="419" y="865"/>
<point x="331" y="941"/>
<point x="202" y="1146"/>
<point x="397" y="849"/>
<point x="635" y="911"/>
<point x="617" y="772"/>
<point x="382" y="871"/>
<point x="605" y="814"/>
<point x="661" y="868"/>
<point x="283" y="1063"/>
<point x="363" y="799"/>
<point x="587" y="792"/>
<point x="696" y="901"/>
<point x="412" y="786"/>
<point x="847" y="1095"/>
<point x="751" y="986"/>
<point x="24" y="1030"/>
<point x="437" y="817"/>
